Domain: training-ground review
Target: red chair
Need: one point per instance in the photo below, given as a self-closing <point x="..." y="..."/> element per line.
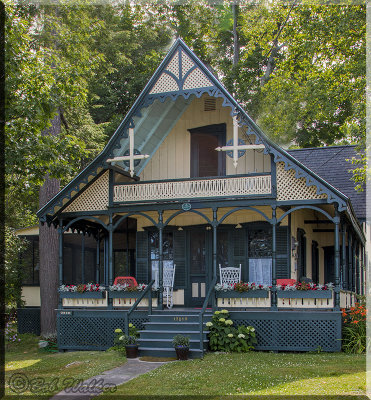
<point x="122" y="280"/>
<point x="285" y="282"/>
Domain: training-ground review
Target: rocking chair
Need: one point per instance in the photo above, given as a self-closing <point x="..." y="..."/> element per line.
<point x="229" y="275"/>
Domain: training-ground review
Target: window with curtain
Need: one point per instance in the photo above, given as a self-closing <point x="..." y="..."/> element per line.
<point x="260" y="255"/>
<point x="167" y="251"/>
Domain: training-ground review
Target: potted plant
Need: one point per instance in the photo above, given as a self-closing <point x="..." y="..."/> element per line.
<point x="181" y="345"/>
<point x="131" y="345"/>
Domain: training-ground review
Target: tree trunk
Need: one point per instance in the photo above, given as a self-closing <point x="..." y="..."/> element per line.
<point x="49" y="250"/>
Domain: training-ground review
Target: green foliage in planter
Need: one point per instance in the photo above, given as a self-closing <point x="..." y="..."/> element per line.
<point x="121" y="340"/>
<point x="223" y="336"/>
<point x="180" y="341"/>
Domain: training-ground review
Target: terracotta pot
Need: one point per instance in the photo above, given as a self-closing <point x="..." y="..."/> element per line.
<point x="131" y="351"/>
<point x="182" y="353"/>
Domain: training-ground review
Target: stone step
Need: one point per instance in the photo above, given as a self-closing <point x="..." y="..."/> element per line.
<point x="167" y="343"/>
<point x="166" y="352"/>
<point x="169" y="334"/>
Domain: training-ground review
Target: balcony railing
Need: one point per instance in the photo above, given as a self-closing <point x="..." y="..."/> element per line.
<point x="193" y="188"/>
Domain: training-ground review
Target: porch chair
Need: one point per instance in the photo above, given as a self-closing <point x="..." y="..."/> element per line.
<point x="122" y="280"/>
<point x="168" y="283"/>
<point x="229" y="275"/>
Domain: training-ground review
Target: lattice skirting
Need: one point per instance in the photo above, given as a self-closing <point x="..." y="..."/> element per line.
<point x="92" y="329"/>
<point x="292" y="330"/>
<point x="28" y="320"/>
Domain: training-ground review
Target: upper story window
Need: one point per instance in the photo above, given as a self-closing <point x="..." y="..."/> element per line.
<point x="205" y="160"/>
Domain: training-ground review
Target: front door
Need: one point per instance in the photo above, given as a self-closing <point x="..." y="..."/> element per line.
<point x="198" y="270"/>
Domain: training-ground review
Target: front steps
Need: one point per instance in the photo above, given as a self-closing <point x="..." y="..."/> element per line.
<point x="156" y="339"/>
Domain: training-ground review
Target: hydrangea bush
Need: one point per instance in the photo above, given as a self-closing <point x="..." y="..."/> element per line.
<point x="223" y="336"/>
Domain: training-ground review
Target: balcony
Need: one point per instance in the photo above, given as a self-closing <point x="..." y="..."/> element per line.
<point x="252" y="185"/>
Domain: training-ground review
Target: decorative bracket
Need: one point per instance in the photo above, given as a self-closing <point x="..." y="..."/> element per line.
<point x="131" y="157"/>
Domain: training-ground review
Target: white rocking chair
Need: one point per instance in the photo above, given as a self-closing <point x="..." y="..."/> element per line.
<point x="229" y="275"/>
<point x="168" y="280"/>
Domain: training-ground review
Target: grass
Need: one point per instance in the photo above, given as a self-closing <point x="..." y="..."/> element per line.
<point x="255" y="373"/>
<point x="56" y="370"/>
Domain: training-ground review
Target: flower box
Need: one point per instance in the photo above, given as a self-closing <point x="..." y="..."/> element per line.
<point x="304" y="294"/>
<point x="84" y="295"/>
<point x="258" y="293"/>
<point x="126" y="295"/>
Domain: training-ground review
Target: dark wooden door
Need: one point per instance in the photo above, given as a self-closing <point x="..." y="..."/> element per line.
<point x="198" y="266"/>
<point x="205" y="160"/>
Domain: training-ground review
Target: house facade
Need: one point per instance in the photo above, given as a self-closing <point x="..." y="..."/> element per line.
<point x="188" y="179"/>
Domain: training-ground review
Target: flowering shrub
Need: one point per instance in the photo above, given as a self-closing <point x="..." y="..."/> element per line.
<point x="306" y="286"/>
<point x="121" y="340"/>
<point x="240" y="287"/>
<point x="128" y="288"/>
<point x="223" y="336"/>
<point x="354" y="329"/>
<point x="11" y="335"/>
<point x="82" y="288"/>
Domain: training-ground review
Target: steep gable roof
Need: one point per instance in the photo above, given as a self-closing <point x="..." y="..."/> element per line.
<point x="180" y="76"/>
<point x="333" y="164"/>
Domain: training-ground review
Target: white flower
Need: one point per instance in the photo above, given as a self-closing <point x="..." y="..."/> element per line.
<point x="229" y="322"/>
<point x="209" y="324"/>
<point x="241" y="336"/>
<point x="224" y="311"/>
<point x="121" y="338"/>
<point x="221" y="319"/>
<point x="230" y="334"/>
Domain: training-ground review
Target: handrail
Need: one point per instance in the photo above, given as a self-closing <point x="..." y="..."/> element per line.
<point x="134" y="306"/>
<point x="201" y="315"/>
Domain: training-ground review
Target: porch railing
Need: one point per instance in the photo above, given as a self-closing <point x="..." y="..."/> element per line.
<point x="147" y="290"/>
<point x="201" y="315"/>
<point x="193" y="188"/>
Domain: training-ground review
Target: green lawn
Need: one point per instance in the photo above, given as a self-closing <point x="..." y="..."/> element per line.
<point x="25" y="358"/>
<point x="255" y="373"/>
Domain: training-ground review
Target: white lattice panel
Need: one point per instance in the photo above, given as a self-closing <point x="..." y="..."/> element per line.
<point x="187" y="63"/>
<point x="94" y="198"/>
<point x="196" y="79"/>
<point x="254" y="185"/>
<point x="291" y="188"/>
<point x="126" y="302"/>
<point x="173" y="65"/>
<point x="165" y="84"/>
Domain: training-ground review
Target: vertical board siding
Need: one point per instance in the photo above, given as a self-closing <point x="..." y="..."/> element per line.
<point x="180" y="259"/>
<point x="172" y="159"/>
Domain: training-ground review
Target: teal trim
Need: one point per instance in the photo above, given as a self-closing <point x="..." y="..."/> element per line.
<point x="305" y="207"/>
<point x="304" y="294"/>
<point x="258" y="293"/>
<point x="190" y="211"/>
<point x="82" y="218"/>
<point x="244" y="208"/>
<point x="85" y="295"/>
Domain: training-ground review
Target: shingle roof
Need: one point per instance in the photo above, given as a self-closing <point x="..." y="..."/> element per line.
<point x="331" y="163"/>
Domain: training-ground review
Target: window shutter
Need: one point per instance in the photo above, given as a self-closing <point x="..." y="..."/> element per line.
<point x="179" y="259"/>
<point x="239" y="251"/>
<point x="283" y="251"/>
<point x="142" y="257"/>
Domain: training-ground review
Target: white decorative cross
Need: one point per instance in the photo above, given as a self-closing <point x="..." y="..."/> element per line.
<point x="131" y="157"/>
<point x="235" y="148"/>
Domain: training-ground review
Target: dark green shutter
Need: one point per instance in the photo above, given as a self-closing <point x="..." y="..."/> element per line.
<point x="239" y="251"/>
<point x="179" y="259"/>
<point x="142" y="272"/>
<point x="283" y="251"/>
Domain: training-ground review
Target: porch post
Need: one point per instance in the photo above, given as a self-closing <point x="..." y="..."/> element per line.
<point x="97" y="277"/>
<point x="337" y="261"/>
<point x="83" y="257"/>
<point x="160" y="261"/>
<point x="344" y="256"/>
<point x="349" y="271"/>
<point x="274" y="260"/>
<point x="60" y="260"/>
<point x="358" y="268"/>
<point x="110" y="251"/>
<point x="215" y="244"/>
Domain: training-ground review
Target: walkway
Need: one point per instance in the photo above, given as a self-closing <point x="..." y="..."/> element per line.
<point x="108" y="380"/>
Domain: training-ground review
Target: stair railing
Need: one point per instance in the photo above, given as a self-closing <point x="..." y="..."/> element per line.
<point x="148" y="290"/>
<point x="201" y="315"/>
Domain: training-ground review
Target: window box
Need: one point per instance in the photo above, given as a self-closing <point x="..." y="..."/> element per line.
<point x="84" y="295"/>
<point x="258" y="293"/>
<point x="304" y="294"/>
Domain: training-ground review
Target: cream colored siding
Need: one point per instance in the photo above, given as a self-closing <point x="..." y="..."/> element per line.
<point x="31" y="296"/>
<point x="172" y="159"/>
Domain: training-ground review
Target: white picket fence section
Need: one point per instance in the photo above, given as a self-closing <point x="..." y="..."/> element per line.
<point x="241" y="186"/>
